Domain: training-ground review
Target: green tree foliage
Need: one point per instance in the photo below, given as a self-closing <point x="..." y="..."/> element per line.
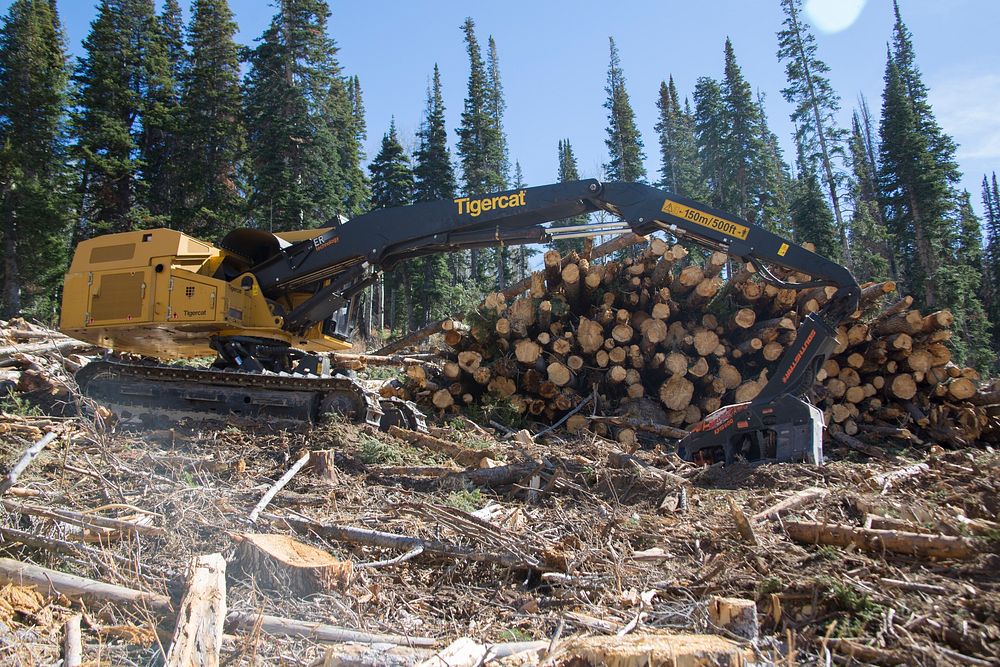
<point x="123" y="106"/>
<point x="927" y="218"/>
<point x="214" y="139"/>
<point x="710" y="130"/>
<point x="742" y="141"/>
<point x="172" y="34"/>
<point x="873" y="258"/>
<point x="434" y="179"/>
<point x="624" y="141"/>
<point x="301" y="124"/>
<point x="816" y="107"/>
<point x="959" y="285"/>
<point x="811" y="216"/>
<point x="392" y="186"/>
<point x="568" y="171"/>
<point x="34" y="200"/>
<point x="991" y="255"/>
<point x="680" y="164"/>
<point x="775" y="184"/>
<point x="916" y="181"/>
<point x="480" y="139"/>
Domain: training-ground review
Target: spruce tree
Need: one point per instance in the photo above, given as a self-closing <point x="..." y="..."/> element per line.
<point x="775" y="184"/>
<point x="959" y="286"/>
<point x="811" y="216"/>
<point x="568" y="171"/>
<point x="214" y="138"/>
<point x="34" y="202"/>
<point x="480" y="141"/>
<point x="392" y="186"/>
<point x="742" y="145"/>
<point x="624" y="141"/>
<point x="159" y="147"/>
<point x="434" y="180"/>
<point x="816" y="107"/>
<point x="498" y="155"/>
<point x="873" y="258"/>
<point x="123" y="92"/>
<point x="680" y="164"/>
<point x="991" y="256"/>
<point x="710" y="129"/>
<point x="300" y="125"/>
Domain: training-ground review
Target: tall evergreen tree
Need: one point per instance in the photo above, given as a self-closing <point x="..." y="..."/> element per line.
<point x="624" y="141"/>
<point x="710" y="129"/>
<point x="498" y="156"/>
<point x="873" y="258"/>
<point x="34" y="200"/>
<point x="775" y="184"/>
<point x="568" y="171"/>
<point x="159" y="147"/>
<point x="915" y="191"/>
<point x="959" y="287"/>
<point x="811" y="216"/>
<point x="742" y="146"/>
<point x="172" y="31"/>
<point x="434" y="179"/>
<point x="124" y="93"/>
<point x="480" y="141"/>
<point x="214" y="138"/>
<point x="392" y="186"/>
<point x="991" y="255"/>
<point x="816" y="107"/>
<point x="680" y="164"/>
<point x="300" y="124"/>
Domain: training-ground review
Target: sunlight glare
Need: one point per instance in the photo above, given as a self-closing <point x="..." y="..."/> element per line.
<point x="833" y="15"/>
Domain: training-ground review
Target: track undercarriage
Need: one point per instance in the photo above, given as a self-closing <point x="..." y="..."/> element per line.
<point x="252" y="380"/>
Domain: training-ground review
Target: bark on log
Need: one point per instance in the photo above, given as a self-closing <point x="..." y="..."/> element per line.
<point x="198" y="635"/>
<point x="915" y="544"/>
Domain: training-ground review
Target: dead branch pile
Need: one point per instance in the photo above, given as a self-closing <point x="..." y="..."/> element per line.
<point x="667" y="328"/>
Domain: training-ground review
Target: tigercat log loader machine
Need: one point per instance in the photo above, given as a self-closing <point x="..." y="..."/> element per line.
<point x="268" y="306"/>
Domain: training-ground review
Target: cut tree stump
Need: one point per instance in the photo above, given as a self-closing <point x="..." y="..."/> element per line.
<point x="735" y="615"/>
<point x="322" y="465"/>
<point x="198" y="636"/>
<point x="281" y="563"/>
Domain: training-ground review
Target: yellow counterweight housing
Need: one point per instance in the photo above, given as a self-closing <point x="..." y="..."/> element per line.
<point x="153" y="292"/>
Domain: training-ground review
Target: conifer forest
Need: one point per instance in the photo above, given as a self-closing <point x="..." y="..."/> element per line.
<point x="522" y="494"/>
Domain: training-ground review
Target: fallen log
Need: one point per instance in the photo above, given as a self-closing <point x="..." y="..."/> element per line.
<point x="198" y="635"/>
<point x="68" y="345"/>
<point x="461" y="455"/>
<point x="796" y="500"/>
<point x="53" y="582"/>
<point x="914" y="544"/>
<point x="415" y="337"/>
<point x="375" y="538"/>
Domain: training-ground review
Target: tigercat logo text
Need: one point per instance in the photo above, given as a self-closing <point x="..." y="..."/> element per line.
<point x="727" y="227"/>
<point x="476" y="206"/>
<point x="195" y="313"/>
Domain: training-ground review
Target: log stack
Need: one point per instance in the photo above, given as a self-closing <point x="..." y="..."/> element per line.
<point x="669" y="337"/>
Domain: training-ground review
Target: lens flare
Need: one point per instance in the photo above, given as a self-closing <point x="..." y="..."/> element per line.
<point x="833" y="15"/>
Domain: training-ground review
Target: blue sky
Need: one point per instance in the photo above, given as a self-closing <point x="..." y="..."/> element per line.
<point x="554" y="58"/>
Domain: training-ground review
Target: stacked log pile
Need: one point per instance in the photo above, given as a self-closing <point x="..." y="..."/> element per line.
<point x="666" y="337"/>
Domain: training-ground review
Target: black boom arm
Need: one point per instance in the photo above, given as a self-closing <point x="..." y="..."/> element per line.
<point x="333" y="263"/>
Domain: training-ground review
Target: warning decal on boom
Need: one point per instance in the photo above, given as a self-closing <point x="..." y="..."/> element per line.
<point x="727" y="227"/>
